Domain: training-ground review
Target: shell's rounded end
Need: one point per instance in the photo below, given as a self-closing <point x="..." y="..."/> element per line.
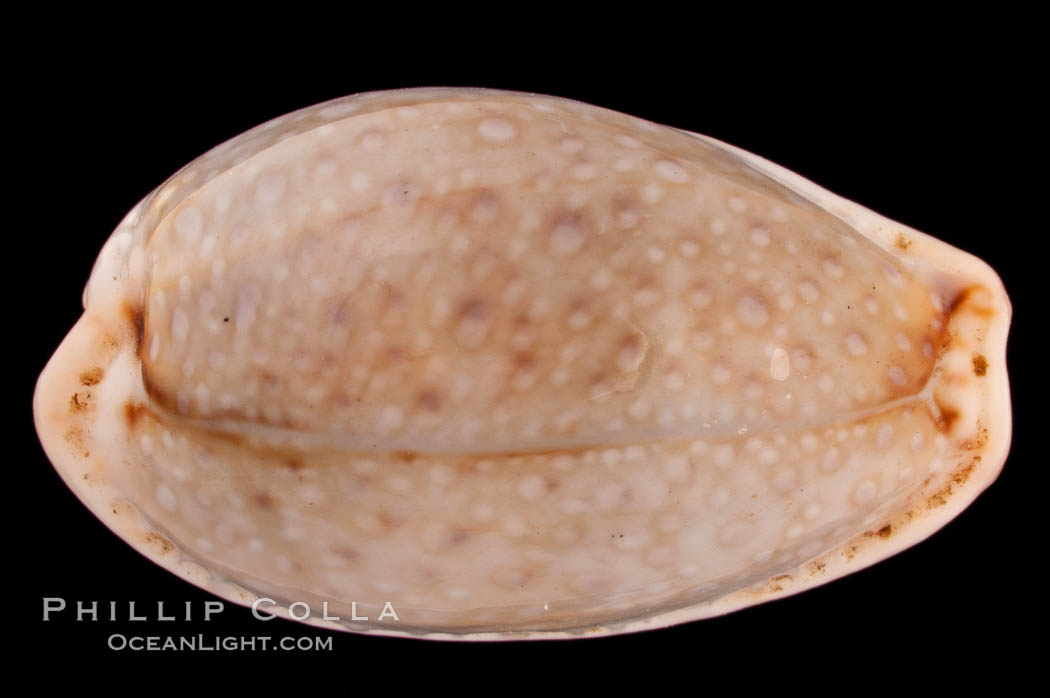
<point x="967" y="393"/>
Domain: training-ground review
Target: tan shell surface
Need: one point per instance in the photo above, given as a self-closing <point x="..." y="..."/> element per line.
<point x="520" y="366"/>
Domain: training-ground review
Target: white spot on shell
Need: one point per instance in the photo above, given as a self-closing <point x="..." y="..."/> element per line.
<point x="651" y="193"/>
<point x="646" y="297"/>
<point x="780" y="365"/>
<point x="865" y="492"/>
<point x="735" y="533"/>
<point x="390" y="419"/>
<point x="497" y="130"/>
<point x="759" y="237"/>
<point x="359" y="181"/>
<point x="584" y="172"/>
<point x="855" y="344"/>
<point x="602" y="279"/>
<point x="831" y="460"/>
<point x="372" y="141"/>
<point x="809" y="292"/>
<point x="894" y="275"/>
<point x="639" y="409"/>
<point x="566" y="238"/>
<point x="269" y="188"/>
<point x="531" y="487"/>
<point x="719" y="374"/>
<point x="180" y="325"/>
<point x="671" y="171"/>
<point x="700" y="298"/>
<point x="703" y="340"/>
<point x="689" y="249"/>
<point x="833" y="269"/>
<point x="752" y="312"/>
<point x="189" y="222"/>
<point x="570" y="146"/>
<point x="884" y="436"/>
<point x="166" y="498"/>
<point x="676" y="468"/>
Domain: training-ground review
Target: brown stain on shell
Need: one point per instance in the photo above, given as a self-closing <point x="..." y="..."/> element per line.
<point x="136" y="318"/>
<point x="92" y="376"/>
<point x="74" y="439"/>
<point x="159" y="543"/>
<point x="79" y="402"/>
<point x="134" y="412"/>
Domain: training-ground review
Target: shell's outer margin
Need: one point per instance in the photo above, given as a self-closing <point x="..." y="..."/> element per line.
<point x="978" y="326"/>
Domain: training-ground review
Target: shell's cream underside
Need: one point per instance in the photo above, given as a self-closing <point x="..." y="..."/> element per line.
<point x="521" y="367"/>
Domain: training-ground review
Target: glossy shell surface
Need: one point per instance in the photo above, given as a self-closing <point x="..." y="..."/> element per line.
<point x="518" y="366"/>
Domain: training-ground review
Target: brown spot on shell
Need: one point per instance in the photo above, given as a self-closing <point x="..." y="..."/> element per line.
<point x="474" y="310"/>
<point x="346" y="553"/>
<point x="458" y="536"/>
<point x="941" y="497"/>
<point x="978" y="442"/>
<point x="969" y="301"/>
<point x="79" y="402"/>
<point x="74" y="436"/>
<point x="947" y="417"/>
<point x="92" y="376"/>
<point x="430" y="400"/>
<point x="980" y="365"/>
<point x="136" y="319"/>
<point x="902" y="243"/>
<point x="162" y="545"/>
<point x="133" y="412"/>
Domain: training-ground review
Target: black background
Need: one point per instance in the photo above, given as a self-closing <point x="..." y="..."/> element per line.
<point x="936" y="138"/>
